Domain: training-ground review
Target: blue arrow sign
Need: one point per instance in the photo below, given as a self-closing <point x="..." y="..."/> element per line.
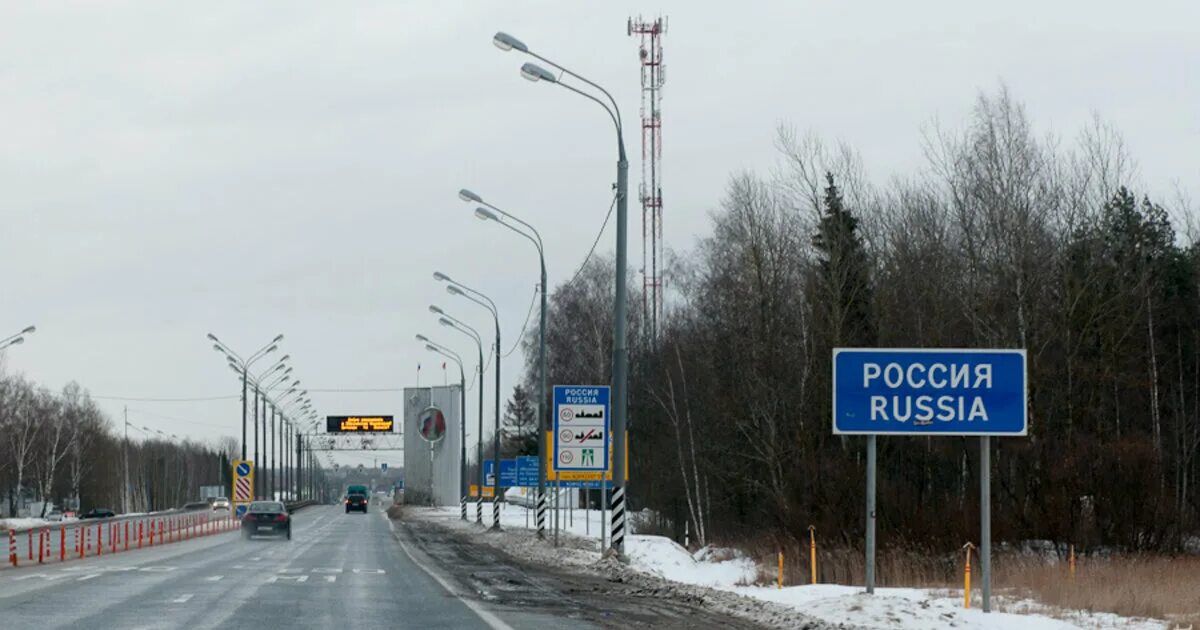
<point x="929" y="392"/>
<point x="241" y="510"/>
<point x="243" y="469"/>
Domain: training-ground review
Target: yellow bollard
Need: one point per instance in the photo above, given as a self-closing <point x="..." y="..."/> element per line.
<point x="812" y="551"/>
<point x="779" y="579"/>
<point x="1072" y="562"/>
<point x="967" y="577"/>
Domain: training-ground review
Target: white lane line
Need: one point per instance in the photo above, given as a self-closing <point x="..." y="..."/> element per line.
<point x="89" y="576"/>
<point x="487" y="617"/>
<point x="183" y="599"/>
<point x="214" y="578"/>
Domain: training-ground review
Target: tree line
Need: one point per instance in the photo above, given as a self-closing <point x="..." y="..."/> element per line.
<point x="1000" y="239"/>
<point x="61" y="449"/>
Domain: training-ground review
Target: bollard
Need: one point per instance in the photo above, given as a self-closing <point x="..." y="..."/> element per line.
<point x="81" y="533"/>
<point x="779" y="578"/>
<point x="139" y="532"/>
<point x="1072" y="562"/>
<point x="12" y="547"/>
<point x="62" y="545"/>
<point x="41" y="545"/>
<point x="112" y="536"/>
<point x="967" y="577"/>
<point x="125" y="536"/>
<point x="29" y="538"/>
<point x="99" y="539"/>
<point x="812" y="551"/>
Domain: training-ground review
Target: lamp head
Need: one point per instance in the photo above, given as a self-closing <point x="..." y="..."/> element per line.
<point x="212" y="337"/>
<point x="445" y="322"/>
<point x="422" y="338"/>
<point x="435" y="310"/>
<point x="485" y="214"/>
<point x="536" y="73"/>
<point x="507" y="42"/>
<point x="277" y="339"/>
<point x="453" y="290"/>
<point x="441" y="277"/>
<point x="469" y="196"/>
<point x="29" y="329"/>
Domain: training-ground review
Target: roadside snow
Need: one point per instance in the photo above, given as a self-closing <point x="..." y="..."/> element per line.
<point x="730" y="572"/>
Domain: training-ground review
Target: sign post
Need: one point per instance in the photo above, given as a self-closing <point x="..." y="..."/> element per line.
<point x="243" y="486"/>
<point x="958" y="392"/>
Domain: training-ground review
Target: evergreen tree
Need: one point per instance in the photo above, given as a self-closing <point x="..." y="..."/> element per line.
<point x="844" y="273"/>
<point x="520" y="424"/>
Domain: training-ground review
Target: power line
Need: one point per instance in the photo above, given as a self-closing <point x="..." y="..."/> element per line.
<point x="521" y="335"/>
<point x="591" y="251"/>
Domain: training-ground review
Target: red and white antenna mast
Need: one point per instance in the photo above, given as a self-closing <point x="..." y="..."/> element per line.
<point x="650" y="190"/>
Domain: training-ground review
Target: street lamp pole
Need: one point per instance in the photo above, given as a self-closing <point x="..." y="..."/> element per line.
<point x="18" y="338"/>
<point x="462" y="392"/>
<point x="536" y="239"/>
<point x="450" y="321"/>
<point x="244" y="367"/>
<point x="454" y="287"/>
<point x="620" y="356"/>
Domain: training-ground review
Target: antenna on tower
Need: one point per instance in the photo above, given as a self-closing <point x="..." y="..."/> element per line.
<point x="650" y="189"/>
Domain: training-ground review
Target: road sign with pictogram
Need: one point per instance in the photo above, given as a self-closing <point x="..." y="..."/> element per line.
<point x="581" y="424"/>
<point x="243" y="485"/>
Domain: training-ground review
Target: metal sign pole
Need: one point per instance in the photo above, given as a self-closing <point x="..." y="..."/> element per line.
<point x="985" y="519"/>
<point x="870" y="513"/>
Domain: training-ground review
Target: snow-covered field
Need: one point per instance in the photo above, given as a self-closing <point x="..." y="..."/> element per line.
<point x="726" y="570"/>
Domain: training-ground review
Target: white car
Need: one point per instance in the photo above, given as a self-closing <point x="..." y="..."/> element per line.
<point x="220" y="503"/>
<point x="54" y="515"/>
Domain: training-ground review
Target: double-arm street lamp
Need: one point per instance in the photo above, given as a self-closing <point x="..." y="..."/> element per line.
<point x="620" y="357"/>
<point x="454" y="287"/>
<point x="454" y="323"/>
<point x="489" y="213"/>
<point x="243" y="367"/>
<point x="433" y="346"/>
<point x="18" y="338"/>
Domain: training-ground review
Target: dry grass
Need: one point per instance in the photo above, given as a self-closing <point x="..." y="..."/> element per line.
<point x="1159" y="587"/>
<point x="1153" y="586"/>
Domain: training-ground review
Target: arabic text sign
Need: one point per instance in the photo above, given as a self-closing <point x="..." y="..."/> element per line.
<point x="581" y="416"/>
<point x="929" y="392"/>
<point x="359" y="424"/>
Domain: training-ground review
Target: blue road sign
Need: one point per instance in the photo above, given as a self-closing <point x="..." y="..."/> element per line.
<point x="581" y="426"/>
<point x="527" y="471"/>
<point x="241" y="510"/>
<point x="383" y="466"/>
<point x="929" y="392"/>
<point x="508" y="472"/>
<point x="243" y="469"/>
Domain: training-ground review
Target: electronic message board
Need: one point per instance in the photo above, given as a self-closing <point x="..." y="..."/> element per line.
<point x="359" y="424"/>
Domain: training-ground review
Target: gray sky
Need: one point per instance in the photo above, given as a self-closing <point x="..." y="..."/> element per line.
<point x="173" y="169"/>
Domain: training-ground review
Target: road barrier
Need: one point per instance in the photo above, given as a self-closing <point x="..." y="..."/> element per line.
<point x="89" y="537"/>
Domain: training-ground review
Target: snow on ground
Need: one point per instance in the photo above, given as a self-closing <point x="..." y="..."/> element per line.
<point x="727" y="570"/>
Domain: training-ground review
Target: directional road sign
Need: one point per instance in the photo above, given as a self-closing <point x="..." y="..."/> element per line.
<point x="581" y="425"/>
<point x="929" y="392"/>
<point x="527" y="471"/>
<point x="508" y="472"/>
<point x="243" y="481"/>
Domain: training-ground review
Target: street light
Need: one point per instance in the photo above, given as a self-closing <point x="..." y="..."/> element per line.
<point x="620" y="356"/>
<point x="450" y="321"/>
<point x="489" y="212"/>
<point x="245" y="366"/>
<point x="18" y="338"/>
<point x="462" y="424"/>
<point x="457" y="288"/>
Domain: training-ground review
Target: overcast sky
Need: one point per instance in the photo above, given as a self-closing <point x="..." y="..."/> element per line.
<point x="173" y="169"/>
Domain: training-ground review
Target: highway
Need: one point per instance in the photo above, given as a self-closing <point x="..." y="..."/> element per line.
<point x="338" y="571"/>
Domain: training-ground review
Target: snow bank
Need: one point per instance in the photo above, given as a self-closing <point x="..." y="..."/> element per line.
<point x="665" y="558"/>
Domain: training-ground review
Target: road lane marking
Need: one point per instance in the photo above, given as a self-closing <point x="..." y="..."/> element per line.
<point x="331" y="578"/>
<point x="89" y="576"/>
<point x="183" y="599"/>
<point x="43" y="576"/>
<point x="214" y="578"/>
<point x="296" y="578"/>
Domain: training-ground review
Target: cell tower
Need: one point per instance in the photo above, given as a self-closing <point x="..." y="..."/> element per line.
<point x="650" y="190"/>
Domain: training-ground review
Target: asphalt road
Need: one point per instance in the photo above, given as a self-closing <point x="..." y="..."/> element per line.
<point x="338" y="571"/>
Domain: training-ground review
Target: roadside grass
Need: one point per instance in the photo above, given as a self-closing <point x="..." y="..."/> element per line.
<point x="1131" y="585"/>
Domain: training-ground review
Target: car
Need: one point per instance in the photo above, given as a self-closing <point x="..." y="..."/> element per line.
<point x="356" y="502"/>
<point x="220" y="503"/>
<point x="267" y="517"/>
<point x="99" y="513"/>
<point x="54" y="515"/>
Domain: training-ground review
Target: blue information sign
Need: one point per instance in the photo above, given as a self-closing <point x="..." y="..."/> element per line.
<point x="929" y="392"/>
<point x="581" y="425"/>
<point x="527" y="471"/>
<point x="508" y="472"/>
